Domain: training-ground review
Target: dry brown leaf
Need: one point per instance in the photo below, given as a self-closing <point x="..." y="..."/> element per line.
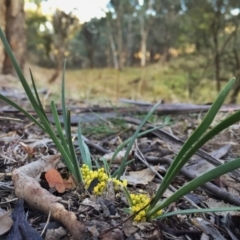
<point x="55" y="180"/>
<point x="128" y="228"/>
<point x="117" y="159"/>
<point x="26" y="187"/>
<point x="5" y="222"/>
<point x="28" y="149"/>
<point x="139" y="177"/>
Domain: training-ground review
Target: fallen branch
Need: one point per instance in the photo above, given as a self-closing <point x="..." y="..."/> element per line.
<point x="25" y="180"/>
<point x="209" y="187"/>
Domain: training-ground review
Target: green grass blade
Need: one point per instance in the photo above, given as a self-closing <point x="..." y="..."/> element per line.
<point x="59" y="129"/>
<point x="122" y="166"/>
<point x="29" y="116"/>
<point x="195" y="183"/>
<point x="45" y="126"/>
<point x="106" y="166"/>
<point x="37" y="96"/>
<point x="87" y="154"/>
<point x="84" y="149"/>
<point x="189" y="148"/>
<point x="74" y="160"/>
<point x="227" y="122"/>
<point x="63" y="99"/>
<point x="192" y="211"/>
<point x="24" y="82"/>
<point x="127" y="195"/>
<point x="19" y="72"/>
<point x="127" y="163"/>
<point x="40" y="113"/>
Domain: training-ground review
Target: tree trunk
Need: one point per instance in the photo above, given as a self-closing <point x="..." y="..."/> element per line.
<point x="119" y="37"/>
<point x="217" y="62"/>
<point x="129" y="41"/>
<point x="59" y="60"/>
<point x="144" y="34"/>
<point x="143" y="48"/>
<point x="91" y="56"/>
<point x="114" y="51"/>
<point x="236" y="88"/>
<point x="217" y="56"/>
<point x="15" y="33"/>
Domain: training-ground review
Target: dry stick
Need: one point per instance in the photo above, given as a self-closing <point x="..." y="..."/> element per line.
<point x="175" y="141"/>
<point x="28" y="188"/>
<point x="48" y="219"/>
<point x="92" y="144"/>
<point x="97" y="147"/>
<point x="9" y="201"/>
<point x="221" y="193"/>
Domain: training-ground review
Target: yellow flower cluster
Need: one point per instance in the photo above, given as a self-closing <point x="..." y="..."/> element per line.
<point x="103" y="178"/>
<point x="138" y="202"/>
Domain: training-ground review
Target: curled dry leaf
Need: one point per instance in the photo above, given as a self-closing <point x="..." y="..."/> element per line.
<point x="55" y="180"/>
<point x="27" y="187"/>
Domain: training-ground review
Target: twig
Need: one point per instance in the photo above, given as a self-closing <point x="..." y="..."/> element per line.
<point x="209" y="187"/>
<point x="48" y="219"/>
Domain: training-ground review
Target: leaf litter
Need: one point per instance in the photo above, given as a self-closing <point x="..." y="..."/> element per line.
<point x="27" y="153"/>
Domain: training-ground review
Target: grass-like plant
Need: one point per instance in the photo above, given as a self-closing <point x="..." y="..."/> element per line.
<point x="154" y="208"/>
<point x="198" y="138"/>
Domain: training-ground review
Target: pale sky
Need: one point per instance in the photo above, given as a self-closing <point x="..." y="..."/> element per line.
<point x="85" y="9"/>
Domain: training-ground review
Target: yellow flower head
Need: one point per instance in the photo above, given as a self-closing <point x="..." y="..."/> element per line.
<point x="101" y="175"/>
<point x="138" y="202"/>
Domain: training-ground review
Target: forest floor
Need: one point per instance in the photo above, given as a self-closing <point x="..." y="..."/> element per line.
<point x="22" y="144"/>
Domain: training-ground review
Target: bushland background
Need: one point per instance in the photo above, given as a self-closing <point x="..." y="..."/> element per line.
<point x="175" y="50"/>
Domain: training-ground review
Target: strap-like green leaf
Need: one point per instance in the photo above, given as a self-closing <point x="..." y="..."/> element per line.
<point x="133" y="138"/>
<point x="72" y="151"/>
<point x="192" y="211"/>
<point x="195" y="183"/>
<point x="19" y="72"/>
<point x="37" y="96"/>
<point x="62" y="137"/>
<point x="86" y="157"/>
<point x="64" y="110"/>
<point x="29" y="116"/>
<point x="189" y="148"/>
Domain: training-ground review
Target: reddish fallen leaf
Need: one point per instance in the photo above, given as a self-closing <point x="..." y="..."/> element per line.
<point x="55" y="180"/>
